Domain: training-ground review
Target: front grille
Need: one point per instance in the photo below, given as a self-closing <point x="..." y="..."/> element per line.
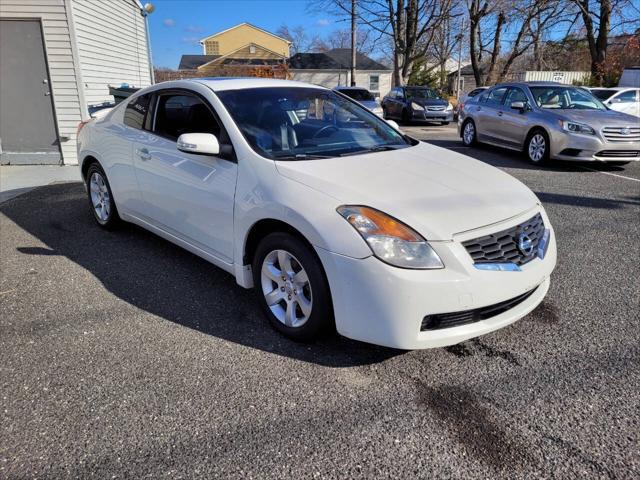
<point x="502" y="247"/>
<point x="436" y="109"/>
<point x="455" y="319"/>
<point x="618" y="153"/>
<point x="622" y="134"/>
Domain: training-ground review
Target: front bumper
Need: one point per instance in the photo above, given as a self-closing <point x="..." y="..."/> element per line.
<point x="433" y="116"/>
<point x="578" y="147"/>
<point x="377" y="303"/>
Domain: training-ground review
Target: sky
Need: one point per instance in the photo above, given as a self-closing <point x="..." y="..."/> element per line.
<point x="176" y="25"/>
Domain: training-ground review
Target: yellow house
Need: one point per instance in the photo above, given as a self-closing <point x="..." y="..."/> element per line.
<point x="244" y="43"/>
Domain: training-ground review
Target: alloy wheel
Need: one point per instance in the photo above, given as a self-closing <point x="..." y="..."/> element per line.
<point x="537" y="147"/>
<point x="286" y="288"/>
<point x="469" y="133"/>
<point x="100" y="198"/>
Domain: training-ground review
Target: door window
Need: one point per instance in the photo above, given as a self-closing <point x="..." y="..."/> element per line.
<point x="136" y="112"/>
<point x="626" y="97"/>
<point x="495" y="96"/>
<point x="181" y="113"/>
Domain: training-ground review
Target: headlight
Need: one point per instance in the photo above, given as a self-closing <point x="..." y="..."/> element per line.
<point x="390" y="240"/>
<point x="415" y="106"/>
<point x="574" y="127"/>
<point x="449" y="107"/>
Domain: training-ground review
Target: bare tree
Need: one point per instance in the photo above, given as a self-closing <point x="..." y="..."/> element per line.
<point x="300" y="42"/>
<point x="409" y="25"/>
<point x="342" y="39"/>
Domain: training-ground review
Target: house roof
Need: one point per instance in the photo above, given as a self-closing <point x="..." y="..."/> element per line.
<point x="230" y="55"/>
<point x="336" y="59"/>
<point x="240" y="25"/>
<point x="191" y="62"/>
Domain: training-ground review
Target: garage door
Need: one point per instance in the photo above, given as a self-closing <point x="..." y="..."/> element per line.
<point x="27" y="126"/>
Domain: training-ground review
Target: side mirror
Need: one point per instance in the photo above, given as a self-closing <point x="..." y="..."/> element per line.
<point x="198" y="143"/>
<point x="393" y="124"/>
<point x="518" y="106"/>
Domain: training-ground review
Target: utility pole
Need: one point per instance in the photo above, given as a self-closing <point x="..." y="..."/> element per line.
<point x="353" y="43"/>
<point x="460" y="37"/>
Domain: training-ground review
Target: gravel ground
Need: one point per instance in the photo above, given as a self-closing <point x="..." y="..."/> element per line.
<point x="123" y="356"/>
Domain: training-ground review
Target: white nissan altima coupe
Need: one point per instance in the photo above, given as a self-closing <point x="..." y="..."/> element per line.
<point x="329" y="212"/>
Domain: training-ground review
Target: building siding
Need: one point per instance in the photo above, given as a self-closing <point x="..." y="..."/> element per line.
<point x="112" y="46"/>
<point x="335" y="78"/>
<point x="59" y="57"/>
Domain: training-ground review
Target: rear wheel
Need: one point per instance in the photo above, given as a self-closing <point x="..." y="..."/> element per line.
<point x="292" y="287"/>
<point x="469" y="137"/>
<point x="101" y="200"/>
<point x="537" y="147"/>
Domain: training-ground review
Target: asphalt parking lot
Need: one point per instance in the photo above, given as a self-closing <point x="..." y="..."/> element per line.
<point x="123" y="356"/>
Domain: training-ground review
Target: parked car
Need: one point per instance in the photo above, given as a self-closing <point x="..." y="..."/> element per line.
<point x="333" y="217"/>
<point x="472" y="93"/>
<point x="362" y="96"/>
<point x="620" y="99"/>
<point x="417" y="103"/>
<point x="550" y="120"/>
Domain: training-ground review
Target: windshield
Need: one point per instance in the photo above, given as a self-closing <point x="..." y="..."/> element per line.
<point x="358" y="95"/>
<point x="603" y="94"/>
<point x="422" y="93"/>
<point x="565" y="98"/>
<point x="285" y="123"/>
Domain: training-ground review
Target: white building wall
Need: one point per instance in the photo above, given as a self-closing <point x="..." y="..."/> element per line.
<point x="59" y="57"/>
<point x="112" y="46"/>
<point x="335" y="78"/>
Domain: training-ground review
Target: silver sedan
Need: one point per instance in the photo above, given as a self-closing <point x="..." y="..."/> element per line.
<point x="548" y="120"/>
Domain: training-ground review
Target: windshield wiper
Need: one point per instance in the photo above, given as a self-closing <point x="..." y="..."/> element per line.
<point x="377" y="148"/>
<point x="303" y="156"/>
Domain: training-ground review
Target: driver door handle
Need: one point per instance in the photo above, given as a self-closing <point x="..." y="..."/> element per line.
<point x="500" y="114"/>
<point x="144" y="154"/>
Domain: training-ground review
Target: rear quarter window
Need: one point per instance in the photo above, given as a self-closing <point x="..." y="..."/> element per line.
<point x="136" y="111"/>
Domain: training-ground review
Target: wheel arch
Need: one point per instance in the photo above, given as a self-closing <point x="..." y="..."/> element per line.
<point x="533" y="129"/>
<point x="261" y="229"/>
<point x="86" y="163"/>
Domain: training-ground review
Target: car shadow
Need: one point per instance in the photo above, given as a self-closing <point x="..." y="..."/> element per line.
<point x="501" y="157"/>
<point x="154" y="275"/>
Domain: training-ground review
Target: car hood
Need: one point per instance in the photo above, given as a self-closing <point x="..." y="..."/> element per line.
<point x="597" y="118"/>
<point x="435" y="191"/>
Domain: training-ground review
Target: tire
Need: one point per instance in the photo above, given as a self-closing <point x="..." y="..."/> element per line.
<point x="385" y="115"/>
<point x="444" y="123"/>
<point x="406" y="118"/>
<point x="301" y="310"/>
<point x="537" y="147"/>
<point x="469" y="134"/>
<point x="101" y="199"/>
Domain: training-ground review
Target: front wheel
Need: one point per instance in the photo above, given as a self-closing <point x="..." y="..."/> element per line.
<point x="537" y="148"/>
<point x="292" y="288"/>
<point x="406" y="117"/>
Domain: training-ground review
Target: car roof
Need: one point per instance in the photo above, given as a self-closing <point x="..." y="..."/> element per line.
<point x="341" y="88"/>
<point x="617" y="89"/>
<point x="218" y="84"/>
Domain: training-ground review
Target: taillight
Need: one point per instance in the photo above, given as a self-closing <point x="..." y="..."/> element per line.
<point x="81" y="126"/>
<point x="461" y="106"/>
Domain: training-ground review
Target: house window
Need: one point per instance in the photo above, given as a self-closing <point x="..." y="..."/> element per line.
<point x="374" y="83"/>
<point x="212" y="47"/>
<point x="252" y="49"/>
